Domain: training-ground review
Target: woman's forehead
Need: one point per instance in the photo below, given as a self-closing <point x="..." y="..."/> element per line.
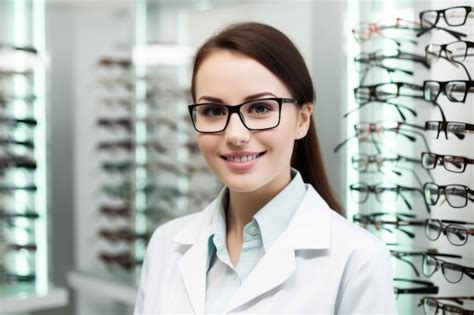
<point x="225" y="73"/>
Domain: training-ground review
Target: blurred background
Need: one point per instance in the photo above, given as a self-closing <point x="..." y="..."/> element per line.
<point x="97" y="149"/>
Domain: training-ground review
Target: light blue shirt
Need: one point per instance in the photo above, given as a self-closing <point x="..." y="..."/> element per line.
<point x="223" y="279"/>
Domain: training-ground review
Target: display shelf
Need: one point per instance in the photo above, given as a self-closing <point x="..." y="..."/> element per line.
<point x="107" y="286"/>
<point x="28" y="298"/>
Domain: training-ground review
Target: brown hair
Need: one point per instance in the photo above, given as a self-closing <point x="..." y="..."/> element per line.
<point x="277" y="53"/>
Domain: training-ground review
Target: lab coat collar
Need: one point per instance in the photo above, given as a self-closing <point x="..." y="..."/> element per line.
<point x="308" y="229"/>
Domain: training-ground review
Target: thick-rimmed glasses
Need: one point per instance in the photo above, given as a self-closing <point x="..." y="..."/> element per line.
<point x="454" y="232"/>
<point x="361" y="162"/>
<point x="425" y="287"/>
<point x="456" y="90"/>
<point x="459" y="129"/>
<point x="454" y="51"/>
<point x="386" y="91"/>
<point x="452" y="163"/>
<point x="452" y="272"/>
<point x="433" y="306"/>
<point x="453" y="16"/>
<point x="384" y="192"/>
<point x="456" y="195"/>
<point x="260" y="114"/>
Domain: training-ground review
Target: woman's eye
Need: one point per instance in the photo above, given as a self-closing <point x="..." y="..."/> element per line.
<point x="260" y="108"/>
<point x="214" y="111"/>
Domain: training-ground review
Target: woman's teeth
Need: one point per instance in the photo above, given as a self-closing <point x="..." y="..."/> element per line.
<point x="242" y="159"/>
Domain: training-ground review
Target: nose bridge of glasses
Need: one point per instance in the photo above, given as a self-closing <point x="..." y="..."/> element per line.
<point x="240" y="117"/>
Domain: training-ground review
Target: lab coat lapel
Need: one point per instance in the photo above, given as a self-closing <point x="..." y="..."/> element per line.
<point x="193" y="263"/>
<point x="192" y="266"/>
<point x="265" y="276"/>
<point x="308" y="229"/>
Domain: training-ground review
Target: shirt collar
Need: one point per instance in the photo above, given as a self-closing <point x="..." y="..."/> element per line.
<point x="272" y="219"/>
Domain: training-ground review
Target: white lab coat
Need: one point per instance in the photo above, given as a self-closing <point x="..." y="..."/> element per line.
<point x="321" y="264"/>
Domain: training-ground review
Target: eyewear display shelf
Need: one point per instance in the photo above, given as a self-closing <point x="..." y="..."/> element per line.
<point x="24" y="253"/>
<point x="148" y="163"/>
<point x="411" y="177"/>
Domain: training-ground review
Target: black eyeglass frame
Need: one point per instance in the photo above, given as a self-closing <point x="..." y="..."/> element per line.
<point x="440" y="158"/>
<point x="236" y="109"/>
<point x="469" y="84"/>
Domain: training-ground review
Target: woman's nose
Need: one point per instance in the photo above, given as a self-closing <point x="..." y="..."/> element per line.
<point x="236" y="133"/>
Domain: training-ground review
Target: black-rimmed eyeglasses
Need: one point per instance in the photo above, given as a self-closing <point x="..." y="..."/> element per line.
<point x="433" y="306"/>
<point x="452" y="163"/>
<point x="453" y="16"/>
<point x="454" y="51"/>
<point x="456" y="195"/>
<point x="455" y="90"/>
<point x="260" y="114"/>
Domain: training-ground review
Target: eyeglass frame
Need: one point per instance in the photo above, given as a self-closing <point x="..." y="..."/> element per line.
<point x="443" y="48"/>
<point x="441" y="158"/>
<point x="443" y="126"/>
<point x="428" y="288"/>
<point x="468" y="271"/>
<point x="236" y="109"/>
<point x="444" y="229"/>
<point x="469" y="84"/>
<point x="455" y="34"/>
<point x="442" y="190"/>
<point x="442" y="306"/>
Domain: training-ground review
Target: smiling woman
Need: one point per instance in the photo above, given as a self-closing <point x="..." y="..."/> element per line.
<point x="274" y="239"/>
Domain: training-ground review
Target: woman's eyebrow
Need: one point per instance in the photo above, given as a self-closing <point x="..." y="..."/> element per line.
<point x="247" y="98"/>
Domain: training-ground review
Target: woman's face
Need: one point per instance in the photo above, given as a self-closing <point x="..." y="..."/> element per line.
<point x="229" y="78"/>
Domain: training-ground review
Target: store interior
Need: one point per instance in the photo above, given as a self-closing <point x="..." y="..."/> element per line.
<point x="97" y="149"/>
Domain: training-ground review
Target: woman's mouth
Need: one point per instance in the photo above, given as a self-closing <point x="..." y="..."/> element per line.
<point x="242" y="162"/>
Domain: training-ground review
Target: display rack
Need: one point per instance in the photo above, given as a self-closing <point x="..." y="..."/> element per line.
<point x="390" y="178"/>
<point x="25" y="265"/>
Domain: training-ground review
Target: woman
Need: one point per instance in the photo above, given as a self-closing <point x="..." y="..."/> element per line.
<point x="274" y="239"/>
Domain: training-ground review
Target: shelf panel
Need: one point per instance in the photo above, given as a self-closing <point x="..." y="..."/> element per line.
<point x="23" y="298"/>
<point x="104" y="286"/>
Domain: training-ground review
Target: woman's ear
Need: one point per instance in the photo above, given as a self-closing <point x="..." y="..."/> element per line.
<point x="304" y="118"/>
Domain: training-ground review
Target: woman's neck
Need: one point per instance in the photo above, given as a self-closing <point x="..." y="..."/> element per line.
<point x="242" y="206"/>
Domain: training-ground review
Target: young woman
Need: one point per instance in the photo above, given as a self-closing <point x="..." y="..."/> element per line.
<point x="274" y="240"/>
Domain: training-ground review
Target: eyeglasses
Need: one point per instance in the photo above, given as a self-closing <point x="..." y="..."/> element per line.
<point x="361" y="162"/>
<point x="452" y="272"/>
<point x="123" y="260"/>
<point x="110" y="62"/>
<point x="426" y="287"/>
<point x="386" y="91"/>
<point x="453" y="16"/>
<point x="364" y="60"/>
<point x="454" y="232"/>
<point x="456" y="90"/>
<point x="379" y="221"/>
<point x="10" y="278"/>
<point x="384" y="192"/>
<point x="398" y="107"/>
<point x="124" y="235"/>
<point x="459" y="129"/>
<point x="456" y="195"/>
<point x="402" y="255"/>
<point x="454" y="51"/>
<point x="384" y="129"/>
<point x="8" y="188"/>
<point x="116" y="211"/>
<point x="8" y="215"/>
<point x="452" y="163"/>
<point x="365" y="31"/>
<point x="261" y="114"/>
<point x="432" y="305"/>
<point x="17" y="162"/>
